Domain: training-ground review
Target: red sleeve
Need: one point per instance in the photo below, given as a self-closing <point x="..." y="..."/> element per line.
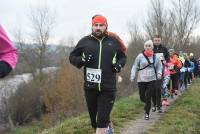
<point x="122" y="45"/>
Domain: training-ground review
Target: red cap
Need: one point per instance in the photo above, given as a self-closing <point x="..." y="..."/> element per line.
<point x="99" y="19"/>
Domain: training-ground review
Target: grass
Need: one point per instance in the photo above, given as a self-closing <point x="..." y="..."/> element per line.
<point x="183" y="117"/>
<point x="124" y="110"/>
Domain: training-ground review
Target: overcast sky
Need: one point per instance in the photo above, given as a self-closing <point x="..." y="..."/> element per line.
<point x="73" y="17"/>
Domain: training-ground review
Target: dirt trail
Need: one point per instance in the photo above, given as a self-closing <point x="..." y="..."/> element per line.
<point x="140" y="125"/>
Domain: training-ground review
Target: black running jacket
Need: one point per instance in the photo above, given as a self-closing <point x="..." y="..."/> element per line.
<point x="106" y="53"/>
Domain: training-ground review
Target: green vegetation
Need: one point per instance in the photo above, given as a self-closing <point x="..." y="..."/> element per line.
<point x="183" y="117"/>
<point x="124" y="110"/>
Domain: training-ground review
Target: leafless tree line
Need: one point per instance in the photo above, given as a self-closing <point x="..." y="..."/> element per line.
<point x="174" y="24"/>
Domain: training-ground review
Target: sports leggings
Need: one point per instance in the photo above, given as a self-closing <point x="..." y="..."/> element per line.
<point x="145" y="92"/>
<point x="99" y="106"/>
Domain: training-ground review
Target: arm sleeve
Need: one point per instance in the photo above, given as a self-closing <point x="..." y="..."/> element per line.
<point x="121" y="43"/>
<point x="121" y="57"/>
<point x="134" y="68"/>
<point x="8" y="51"/>
<point x="75" y="57"/>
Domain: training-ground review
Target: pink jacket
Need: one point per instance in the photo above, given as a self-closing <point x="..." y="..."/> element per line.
<point x="167" y="71"/>
<point x="8" y="51"/>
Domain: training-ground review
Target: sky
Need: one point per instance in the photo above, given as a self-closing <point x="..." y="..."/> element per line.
<point x="73" y="17"/>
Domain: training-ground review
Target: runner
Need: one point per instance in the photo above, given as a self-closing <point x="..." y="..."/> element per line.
<point x="149" y="68"/>
<point x="102" y="54"/>
<point x="175" y="71"/>
<point x="161" y="51"/>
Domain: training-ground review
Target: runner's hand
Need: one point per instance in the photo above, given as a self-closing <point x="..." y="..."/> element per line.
<point x="117" y="67"/>
<point x="88" y="59"/>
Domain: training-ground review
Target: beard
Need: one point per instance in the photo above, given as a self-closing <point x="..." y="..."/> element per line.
<point x="99" y="33"/>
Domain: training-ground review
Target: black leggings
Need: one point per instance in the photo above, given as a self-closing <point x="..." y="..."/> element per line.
<point x="5" y="69"/>
<point x="186" y="79"/>
<point x="99" y="106"/>
<point x="145" y="92"/>
<point x="175" y="81"/>
<point x="156" y="93"/>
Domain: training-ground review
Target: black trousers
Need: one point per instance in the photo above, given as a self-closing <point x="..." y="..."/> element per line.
<point x="175" y="81"/>
<point x="99" y="106"/>
<point x="156" y="95"/>
<point x="5" y="69"/>
<point x="145" y="92"/>
<point x="186" y="78"/>
<point x="189" y="77"/>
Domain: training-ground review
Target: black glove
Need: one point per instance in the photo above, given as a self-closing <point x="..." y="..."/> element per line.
<point x="88" y="59"/>
<point x="117" y="68"/>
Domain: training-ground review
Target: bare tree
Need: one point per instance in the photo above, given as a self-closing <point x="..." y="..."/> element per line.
<point x="27" y="61"/>
<point x="156" y="19"/>
<point x="185" y="17"/>
<point x="159" y="22"/>
<point x="168" y="32"/>
<point x="134" y="31"/>
<point x="35" y="55"/>
<point x="176" y="25"/>
<point x="42" y="24"/>
<point x="136" y="41"/>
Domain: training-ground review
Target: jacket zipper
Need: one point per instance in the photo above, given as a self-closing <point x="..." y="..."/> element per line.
<point x="100" y="51"/>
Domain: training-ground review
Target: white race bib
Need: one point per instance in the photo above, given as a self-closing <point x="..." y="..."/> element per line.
<point x="161" y="56"/>
<point x="93" y="75"/>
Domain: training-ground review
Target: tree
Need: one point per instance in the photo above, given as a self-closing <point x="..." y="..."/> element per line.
<point x="134" y="31"/>
<point x="159" y="22"/>
<point x="174" y="25"/>
<point x="27" y="101"/>
<point x="35" y="54"/>
<point x="185" y="17"/>
<point x="156" y="19"/>
<point x="42" y="24"/>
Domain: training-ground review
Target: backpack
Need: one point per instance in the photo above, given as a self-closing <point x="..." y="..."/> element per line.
<point x="149" y="63"/>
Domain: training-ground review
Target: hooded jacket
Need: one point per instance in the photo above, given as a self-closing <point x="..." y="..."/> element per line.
<point x="8" y="52"/>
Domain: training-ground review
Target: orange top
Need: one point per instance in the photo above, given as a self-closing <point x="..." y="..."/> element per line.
<point x="176" y="62"/>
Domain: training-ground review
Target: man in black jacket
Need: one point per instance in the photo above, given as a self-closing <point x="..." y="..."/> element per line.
<point x="163" y="53"/>
<point x="102" y="57"/>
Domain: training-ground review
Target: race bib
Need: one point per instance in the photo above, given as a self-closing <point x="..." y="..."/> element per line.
<point x="93" y="75"/>
<point x="161" y="56"/>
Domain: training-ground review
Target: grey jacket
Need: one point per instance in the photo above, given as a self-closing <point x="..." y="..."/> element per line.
<point x="147" y="74"/>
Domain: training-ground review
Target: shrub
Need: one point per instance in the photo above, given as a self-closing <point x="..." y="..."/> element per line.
<point x="64" y="94"/>
<point x="25" y="103"/>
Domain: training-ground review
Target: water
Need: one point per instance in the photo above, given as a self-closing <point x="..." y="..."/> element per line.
<point x="10" y="85"/>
